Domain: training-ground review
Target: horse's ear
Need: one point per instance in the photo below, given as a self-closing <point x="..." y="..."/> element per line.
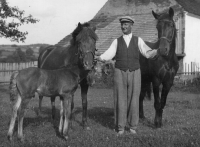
<point x="156" y="16"/>
<point x="79" y="25"/>
<point x="171" y="12"/>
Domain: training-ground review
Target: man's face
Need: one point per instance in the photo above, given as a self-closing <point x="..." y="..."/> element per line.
<point x="126" y="27"/>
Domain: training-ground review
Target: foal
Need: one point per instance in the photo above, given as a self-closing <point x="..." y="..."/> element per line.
<point x="24" y="84"/>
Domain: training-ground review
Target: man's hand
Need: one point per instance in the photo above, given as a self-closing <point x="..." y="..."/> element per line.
<point x="158" y="52"/>
<point x="99" y="59"/>
<point x="157" y="55"/>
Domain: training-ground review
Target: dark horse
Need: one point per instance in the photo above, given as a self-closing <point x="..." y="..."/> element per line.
<point x="162" y="70"/>
<point x="55" y="57"/>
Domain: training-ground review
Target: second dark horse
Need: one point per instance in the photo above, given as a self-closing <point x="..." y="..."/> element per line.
<point x="55" y="57"/>
<point x="163" y="69"/>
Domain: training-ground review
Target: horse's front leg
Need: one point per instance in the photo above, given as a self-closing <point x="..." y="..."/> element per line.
<point x="53" y="107"/>
<point x="40" y="105"/>
<point x="157" y="104"/>
<point x="84" y="90"/>
<point x="165" y="91"/>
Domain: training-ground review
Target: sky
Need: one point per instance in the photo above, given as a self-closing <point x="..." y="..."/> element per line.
<point x="58" y="18"/>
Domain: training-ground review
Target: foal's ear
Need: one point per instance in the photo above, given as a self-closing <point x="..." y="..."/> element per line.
<point x="156" y="16"/>
<point x="171" y="12"/>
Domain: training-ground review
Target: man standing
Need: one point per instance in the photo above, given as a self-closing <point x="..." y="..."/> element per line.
<point x="127" y="76"/>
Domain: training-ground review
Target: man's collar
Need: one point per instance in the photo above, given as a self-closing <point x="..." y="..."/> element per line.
<point x="130" y="35"/>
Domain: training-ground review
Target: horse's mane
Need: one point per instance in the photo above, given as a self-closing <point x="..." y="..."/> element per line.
<point x="79" y="33"/>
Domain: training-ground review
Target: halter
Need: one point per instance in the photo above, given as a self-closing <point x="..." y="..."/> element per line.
<point x="163" y="37"/>
<point x="82" y="54"/>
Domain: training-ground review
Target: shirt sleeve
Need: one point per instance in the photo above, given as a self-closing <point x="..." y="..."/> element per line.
<point x="110" y="52"/>
<point x="145" y="50"/>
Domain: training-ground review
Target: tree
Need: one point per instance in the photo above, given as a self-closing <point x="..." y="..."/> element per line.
<point x="10" y="30"/>
<point x="29" y="52"/>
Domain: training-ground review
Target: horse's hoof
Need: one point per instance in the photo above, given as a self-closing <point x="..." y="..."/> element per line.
<point x="66" y="137"/>
<point x="142" y="118"/>
<point x="9" y="137"/>
<point x="60" y="131"/>
<point x="158" y="124"/>
<point x="21" y="138"/>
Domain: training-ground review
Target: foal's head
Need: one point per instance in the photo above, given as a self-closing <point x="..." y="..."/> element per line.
<point x="166" y="31"/>
<point x="85" y="38"/>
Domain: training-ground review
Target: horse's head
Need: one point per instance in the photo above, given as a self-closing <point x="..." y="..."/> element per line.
<point x="166" y="31"/>
<point x="85" y="39"/>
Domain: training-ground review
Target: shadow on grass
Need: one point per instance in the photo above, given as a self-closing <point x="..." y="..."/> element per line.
<point x="147" y="122"/>
<point x="43" y="119"/>
<point x="105" y="117"/>
<point x="100" y="115"/>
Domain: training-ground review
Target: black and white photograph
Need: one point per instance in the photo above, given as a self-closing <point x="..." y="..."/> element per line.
<point x="99" y="73"/>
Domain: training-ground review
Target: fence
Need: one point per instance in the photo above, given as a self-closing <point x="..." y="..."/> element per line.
<point x="190" y="69"/>
<point x="6" y="69"/>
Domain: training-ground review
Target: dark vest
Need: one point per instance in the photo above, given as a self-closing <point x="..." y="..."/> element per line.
<point x="127" y="58"/>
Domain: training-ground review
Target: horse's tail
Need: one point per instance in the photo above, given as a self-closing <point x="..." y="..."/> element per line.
<point x="13" y="86"/>
<point x="15" y="101"/>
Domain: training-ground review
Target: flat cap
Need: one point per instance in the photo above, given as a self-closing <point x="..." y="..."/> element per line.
<point x="126" y="19"/>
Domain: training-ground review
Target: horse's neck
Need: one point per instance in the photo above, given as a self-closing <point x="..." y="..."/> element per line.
<point x="73" y="58"/>
<point x="172" y="52"/>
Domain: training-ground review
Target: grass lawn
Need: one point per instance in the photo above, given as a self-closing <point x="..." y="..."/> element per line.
<point x="181" y="123"/>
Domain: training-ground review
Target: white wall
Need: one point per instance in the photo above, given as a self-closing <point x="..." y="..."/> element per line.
<point x="192" y="40"/>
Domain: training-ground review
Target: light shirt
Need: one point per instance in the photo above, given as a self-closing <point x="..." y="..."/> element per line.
<point x="144" y="49"/>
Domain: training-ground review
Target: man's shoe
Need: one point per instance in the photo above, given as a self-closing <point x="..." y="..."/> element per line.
<point x="132" y="131"/>
<point x="119" y="133"/>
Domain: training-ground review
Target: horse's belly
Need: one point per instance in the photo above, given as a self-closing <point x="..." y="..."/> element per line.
<point x="46" y="91"/>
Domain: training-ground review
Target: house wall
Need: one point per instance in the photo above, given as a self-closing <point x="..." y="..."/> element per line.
<point x="192" y="42"/>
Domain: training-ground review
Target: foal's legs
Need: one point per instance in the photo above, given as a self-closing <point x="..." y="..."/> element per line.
<point x="84" y="90"/>
<point x="67" y="114"/>
<point x="21" y="113"/>
<point x="15" y="108"/>
<point x="61" y="115"/>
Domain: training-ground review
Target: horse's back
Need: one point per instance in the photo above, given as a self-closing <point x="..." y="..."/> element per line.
<point x="57" y="58"/>
<point x="44" y="53"/>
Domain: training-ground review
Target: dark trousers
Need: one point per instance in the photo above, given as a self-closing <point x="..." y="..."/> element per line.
<point x="127" y="86"/>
